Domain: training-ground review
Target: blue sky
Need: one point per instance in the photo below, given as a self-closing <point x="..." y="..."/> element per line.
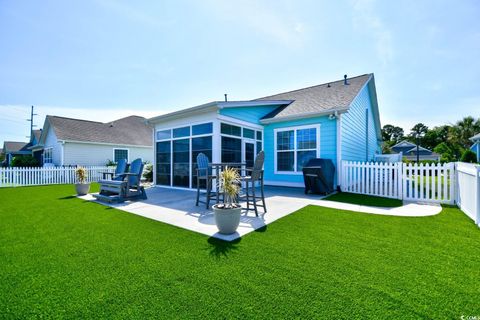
<point x="102" y="60"/>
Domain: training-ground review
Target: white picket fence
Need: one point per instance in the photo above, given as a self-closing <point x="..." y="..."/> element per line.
<point x="15" y="177"/>
<point x="429" y="183"/>
<point x="468" y="190"/>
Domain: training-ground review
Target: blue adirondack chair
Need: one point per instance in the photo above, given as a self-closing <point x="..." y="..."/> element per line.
<point x="119" y="173"/>
<point x="129" y="188"/>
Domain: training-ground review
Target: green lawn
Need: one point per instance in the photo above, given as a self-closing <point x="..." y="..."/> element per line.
<point x="64" y="257"/>
<point x="364" y="200"/>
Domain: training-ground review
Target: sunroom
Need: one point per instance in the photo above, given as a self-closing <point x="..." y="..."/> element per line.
<point x="226" y="132"/>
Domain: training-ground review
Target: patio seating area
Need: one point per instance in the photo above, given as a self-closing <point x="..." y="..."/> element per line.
<point x="177" y="207"/>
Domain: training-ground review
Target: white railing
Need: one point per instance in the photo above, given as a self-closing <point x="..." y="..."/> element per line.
<point x="413" y="182"/>
<point x="15" y="177"/>
<point x="468" y="190"/>
<point x="372" y="178"/>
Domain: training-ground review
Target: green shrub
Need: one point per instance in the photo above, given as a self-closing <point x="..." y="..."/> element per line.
<point x="24" y="161"/>
<point x="468" y="156"/>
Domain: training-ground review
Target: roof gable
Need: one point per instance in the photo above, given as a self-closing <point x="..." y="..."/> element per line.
<point x="318" y="99"/>
<point x="131" y="130"/>
<point x="403" y="144"/>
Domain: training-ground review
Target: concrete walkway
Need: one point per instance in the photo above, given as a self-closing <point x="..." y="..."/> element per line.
<point x="177" y="207"/>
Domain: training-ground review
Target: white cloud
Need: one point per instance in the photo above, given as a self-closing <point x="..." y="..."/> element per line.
<point x="366" y="17"/>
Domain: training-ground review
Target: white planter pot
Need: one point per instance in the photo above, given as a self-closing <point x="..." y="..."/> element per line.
<point x="82" y="188"/>
<point x="227" y="220"/>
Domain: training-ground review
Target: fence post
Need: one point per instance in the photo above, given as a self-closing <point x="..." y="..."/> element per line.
<point x="477" y="177"/>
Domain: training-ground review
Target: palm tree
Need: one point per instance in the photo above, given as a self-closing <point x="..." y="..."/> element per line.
<point x="463" y="130"/>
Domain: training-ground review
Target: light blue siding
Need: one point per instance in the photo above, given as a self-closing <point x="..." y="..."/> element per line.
<point x="249" y="114"/>
<point x="327" y="146"/>
<point x="476" y="148"/>
<point x="359" y="137"/>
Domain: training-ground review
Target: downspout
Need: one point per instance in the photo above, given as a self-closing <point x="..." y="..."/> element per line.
<point x="366" y="134"/>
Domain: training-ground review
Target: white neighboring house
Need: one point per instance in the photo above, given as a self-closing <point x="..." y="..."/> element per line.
<point x="67" y="141"/>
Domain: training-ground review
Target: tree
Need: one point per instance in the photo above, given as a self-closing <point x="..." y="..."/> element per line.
<point x="463" y="130"/>
<point x="392" y="133"/>
<point x="418" y="129"/>
<point x="433" y="137"/>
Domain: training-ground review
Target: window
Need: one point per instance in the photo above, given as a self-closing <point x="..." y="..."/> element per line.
<point x="200" y="145"/>
<point x="48" y="155"/>
<point x="164" y="134"/>
<point x="231" y="130"/>
<point x="181" y="163"/>
<point x="164" y="163"/>
<point x="295" y="147"/>
<point x="119" y="154"/>
<point x="181" y="132"/>
<point x="259" y="135"/>
<point x="204" y="128"/>
<point x="248" y="133"/>
<point x="231" y="150"/>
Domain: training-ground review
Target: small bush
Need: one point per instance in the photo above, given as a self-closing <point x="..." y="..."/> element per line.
<point x="148" y="172"/>
<point x="469" y="156"/>
<point x="24" y="161"/>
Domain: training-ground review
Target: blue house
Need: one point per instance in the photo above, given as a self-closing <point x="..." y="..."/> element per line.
<point x="337" y="120"/>
<point x="476" y="145"/>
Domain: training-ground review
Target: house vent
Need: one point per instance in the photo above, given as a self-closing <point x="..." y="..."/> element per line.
<point x="345" y="82"/>
<point x="225" y="97"/>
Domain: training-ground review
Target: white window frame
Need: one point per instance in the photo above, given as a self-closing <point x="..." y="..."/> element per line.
<point x="295" y="149"/>
<point x="128" y="153"/>
<point x="45" y="158"/>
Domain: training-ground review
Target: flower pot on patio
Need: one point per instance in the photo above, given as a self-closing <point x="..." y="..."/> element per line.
<point x="227" y="214"/>
<point x="82" y="188"/>
<point x="227" y="219"/>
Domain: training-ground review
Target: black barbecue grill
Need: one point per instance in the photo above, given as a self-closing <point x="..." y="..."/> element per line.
<point x="319" y="175"/>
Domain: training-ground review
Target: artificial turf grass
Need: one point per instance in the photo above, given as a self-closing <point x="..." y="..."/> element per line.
<point x="65" y="257"/>
<point x="364" y="200"/>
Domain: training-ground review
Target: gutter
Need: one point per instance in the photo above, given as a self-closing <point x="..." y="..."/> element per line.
<point x="105" y="143"/>
<point x="304" y="115"/>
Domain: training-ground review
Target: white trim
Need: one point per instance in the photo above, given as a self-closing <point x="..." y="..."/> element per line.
<point x="242" y="123"/>
<point x="214" y="106"/>
<point x="295" y="150"/>
<point x="128" y="153"/>
<point x="284" y="184"/>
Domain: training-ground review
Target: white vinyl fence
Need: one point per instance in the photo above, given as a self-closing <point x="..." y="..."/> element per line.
<point x="14" y="177"/>
<point x="430" y="183"/>
<point x="468" y="190"/>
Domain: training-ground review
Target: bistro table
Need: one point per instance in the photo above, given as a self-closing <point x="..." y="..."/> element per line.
<point x="217" y="169"/>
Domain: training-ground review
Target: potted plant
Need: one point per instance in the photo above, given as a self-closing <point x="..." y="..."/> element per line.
<point x="227" y="214"/>
<point x="82" y="187"/>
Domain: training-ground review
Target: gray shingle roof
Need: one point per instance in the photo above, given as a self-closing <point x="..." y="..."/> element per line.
<point x="15" y="146"/>
<point x="319" y="98"/>
<point x="131" y="130"/>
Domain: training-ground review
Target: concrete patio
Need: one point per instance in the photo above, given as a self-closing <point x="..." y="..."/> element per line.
<point x="177" y="207"/>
